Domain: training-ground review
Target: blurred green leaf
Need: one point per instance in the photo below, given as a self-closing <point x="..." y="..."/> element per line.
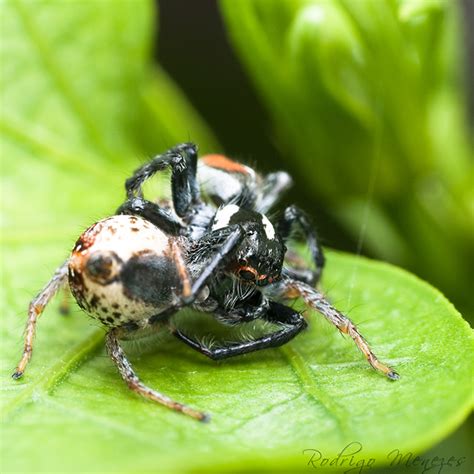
<point x="82" y="103"/>
<point x="366" y="100"/>
<point x="67" y="147"/>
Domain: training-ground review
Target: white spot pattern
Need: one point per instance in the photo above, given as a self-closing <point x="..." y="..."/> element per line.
<point x="269" y="229"/>
<point x="223" y="216"/>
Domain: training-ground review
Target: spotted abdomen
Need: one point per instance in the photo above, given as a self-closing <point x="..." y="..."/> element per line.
<point x="122" y="271"/>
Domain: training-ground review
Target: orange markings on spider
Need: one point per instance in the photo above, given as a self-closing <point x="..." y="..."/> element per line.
<point x="224" y="163"/>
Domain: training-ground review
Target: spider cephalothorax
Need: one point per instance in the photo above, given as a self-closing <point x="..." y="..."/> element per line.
<point x="212" y="248"/>
<point x="260" y="255"/>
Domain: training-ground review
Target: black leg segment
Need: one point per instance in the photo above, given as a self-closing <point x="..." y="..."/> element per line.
<point x="292" y="322"/>
<point x="150" y="211"/>
<point x="230" y="238"/>
<point x="182" y="159"/>
<point x="292" y="217"/>
<point x="272" y="188"/>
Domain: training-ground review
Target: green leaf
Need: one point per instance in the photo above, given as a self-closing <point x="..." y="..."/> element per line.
<point x="315" y="393"/>
<point x="79" y="94"/>
<point x="80" y="108"/>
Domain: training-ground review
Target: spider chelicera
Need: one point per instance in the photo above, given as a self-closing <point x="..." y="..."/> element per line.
<point x="211" y="248"/>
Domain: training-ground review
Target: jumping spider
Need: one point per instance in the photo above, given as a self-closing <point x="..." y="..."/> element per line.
<point x="220" y="255"/>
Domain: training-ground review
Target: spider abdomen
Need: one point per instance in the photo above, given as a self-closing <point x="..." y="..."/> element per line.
<point x="121" y="271"/>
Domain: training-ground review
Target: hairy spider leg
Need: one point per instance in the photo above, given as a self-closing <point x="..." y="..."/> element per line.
<point x="35" y="310"/>
<point x="292" y="321"/>
<point x="218" y="257"/>
<point x="134" y="383"/>
<point x="292" y="289"/>
<point x="162" y="218"/>
<point x="65" y="303"/>
<point x="297" y="268"/>
<point x="230" y="238"/>
<point x="189" y="294"/>
<point x="271" y="189"/>
<point x="184" y="186"/>
<point x="292" y="218"/>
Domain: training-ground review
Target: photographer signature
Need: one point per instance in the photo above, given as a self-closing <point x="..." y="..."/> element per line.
<point x="351" y="459"/>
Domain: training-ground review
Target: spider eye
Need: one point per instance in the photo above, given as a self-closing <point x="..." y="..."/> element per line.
<point x="242" y="261"/>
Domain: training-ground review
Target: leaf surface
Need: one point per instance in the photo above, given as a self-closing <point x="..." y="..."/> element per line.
<point x="68" y="143"/>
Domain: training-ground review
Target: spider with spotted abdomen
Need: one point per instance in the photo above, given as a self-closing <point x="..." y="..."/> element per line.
<point x="211" y="248"/>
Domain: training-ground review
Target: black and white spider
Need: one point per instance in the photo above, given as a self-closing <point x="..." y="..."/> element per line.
<point x="218" y="253"/>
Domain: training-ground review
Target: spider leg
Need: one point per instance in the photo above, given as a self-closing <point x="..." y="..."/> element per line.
<point x="291" y="289"/>
<point x="271" y="189"/>
<point x="35" y="309"/>
<point x="150" y="211"/>
<point x="65" y="304"/>
<point x="133" y="382"/>
<point x="184" y="187"/>
<point x="215" y="249"/>
<point x="291" y="321"/>
<point x="292" y="217"/>
<point x="298" y="269"/>
<point x="190" y="292"/>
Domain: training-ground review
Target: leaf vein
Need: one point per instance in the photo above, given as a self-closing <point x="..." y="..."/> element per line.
<point x="53" y="154"/>
<point x="50" y="378"/>
<point x="314" y="392"/>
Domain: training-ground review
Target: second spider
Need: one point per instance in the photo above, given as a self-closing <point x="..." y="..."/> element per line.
<point x="211" y="248"/>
